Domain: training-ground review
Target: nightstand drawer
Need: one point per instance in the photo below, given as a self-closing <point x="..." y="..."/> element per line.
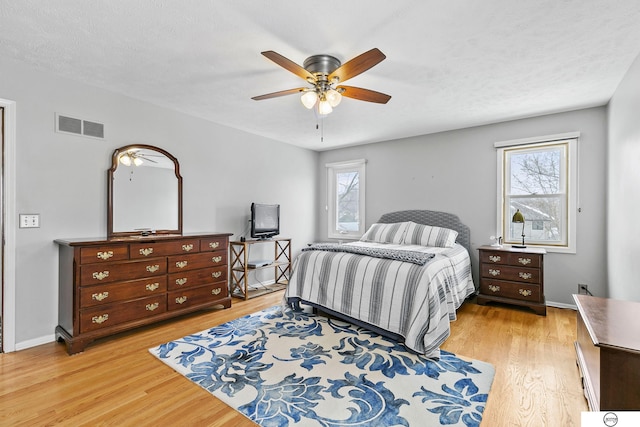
<point x="505" y="272"/>
<point x="506" y="258"/>
<point x="512" y="290"/>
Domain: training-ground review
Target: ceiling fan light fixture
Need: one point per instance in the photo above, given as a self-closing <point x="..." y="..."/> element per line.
<point x="137" y="161"/>
<point x="309" y="99"/>
<point x="333" y="97"/>
<point x="324" y="107"/>
<point x="125" y="159"/>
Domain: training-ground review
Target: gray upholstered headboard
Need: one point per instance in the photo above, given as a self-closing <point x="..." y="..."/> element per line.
<point x="435" y="218"/>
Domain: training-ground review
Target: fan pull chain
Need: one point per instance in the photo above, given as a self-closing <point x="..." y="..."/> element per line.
<point x="319" y="123"/>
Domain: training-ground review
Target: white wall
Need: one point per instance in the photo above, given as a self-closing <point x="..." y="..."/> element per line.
<point x="63" y="178"/>
<point x="456" y="172"/>
<point x="624" y="187"/>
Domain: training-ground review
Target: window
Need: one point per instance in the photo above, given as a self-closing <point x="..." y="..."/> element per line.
<point x="345" y="199"/>
<point x="538" y="177"/>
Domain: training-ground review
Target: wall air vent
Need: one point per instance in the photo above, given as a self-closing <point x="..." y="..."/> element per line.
<point x="75" y="126"/>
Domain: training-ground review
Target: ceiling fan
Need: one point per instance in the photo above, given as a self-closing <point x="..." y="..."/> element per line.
<point x="325" y="73"/>
<point x="137" y="156"/>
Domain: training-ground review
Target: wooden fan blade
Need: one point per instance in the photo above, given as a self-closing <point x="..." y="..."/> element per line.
<point x="280" y="93"/>
<point x="289" y="65"/>
<point x="364" y="94"/>
<point x="357" y="65"/>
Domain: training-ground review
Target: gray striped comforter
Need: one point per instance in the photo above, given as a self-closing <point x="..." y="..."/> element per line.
<point x="414" y="301"/>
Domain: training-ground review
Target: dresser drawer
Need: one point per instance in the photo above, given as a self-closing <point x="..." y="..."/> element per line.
<point x="213" y="244"/>
<point x="506" y="272"/>
<point x="94" y="274"/>
<point x="195" y="261"/>
<point x="155" y="249"/>
<point x="104" y="316"/>
<point x="194" y="296"/>
<point x="192" y="278"/>
<point x="120" y="291"/>
<point x="97" y="254"/>
<point x="512" y="290"/>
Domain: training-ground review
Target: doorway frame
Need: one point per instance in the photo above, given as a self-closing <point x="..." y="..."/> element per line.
<point x="9" y="227"/>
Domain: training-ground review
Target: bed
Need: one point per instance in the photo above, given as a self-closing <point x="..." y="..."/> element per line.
<point x="404" y="279"/>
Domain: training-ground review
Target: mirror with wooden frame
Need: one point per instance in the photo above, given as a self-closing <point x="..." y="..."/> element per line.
<point x="144" y="194"/>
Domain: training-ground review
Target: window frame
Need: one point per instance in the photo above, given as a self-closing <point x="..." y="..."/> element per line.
<point x="332" y="170"/>
<point x="569" y="222"/>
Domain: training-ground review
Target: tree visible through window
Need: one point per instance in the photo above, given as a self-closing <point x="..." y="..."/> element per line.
<point x="345" y="187"/>
<point x="539" y="180"/>
<point x="537" y="190"/>
<point x="348" y="199"/>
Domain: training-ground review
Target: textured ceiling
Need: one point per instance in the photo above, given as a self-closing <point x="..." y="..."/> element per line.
<point x="450" y="64"/>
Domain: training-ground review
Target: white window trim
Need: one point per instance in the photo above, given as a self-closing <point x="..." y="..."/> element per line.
<point x="572" y="177"/>
<point x="332" y="169"/>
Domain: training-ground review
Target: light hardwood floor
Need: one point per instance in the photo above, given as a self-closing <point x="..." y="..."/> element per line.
<point x="116" y="382"/>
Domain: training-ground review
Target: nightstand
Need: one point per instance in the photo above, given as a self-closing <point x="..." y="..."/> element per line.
<point x="512" y="276"/>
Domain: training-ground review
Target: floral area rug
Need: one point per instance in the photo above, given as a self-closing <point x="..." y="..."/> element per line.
<point x="283" y="368"/>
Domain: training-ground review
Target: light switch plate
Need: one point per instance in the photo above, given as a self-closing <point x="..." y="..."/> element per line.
<point x="29" y="220"/>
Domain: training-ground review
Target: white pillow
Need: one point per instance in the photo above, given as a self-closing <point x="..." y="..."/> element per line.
<point x="427" y="235"/>
<point x="386" y="233"/>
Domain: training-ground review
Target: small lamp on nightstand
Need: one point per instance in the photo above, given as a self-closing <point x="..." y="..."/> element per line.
<point x="519" y="218"/>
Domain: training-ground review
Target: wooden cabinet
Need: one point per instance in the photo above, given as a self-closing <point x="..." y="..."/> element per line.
<point x="608" y="352"/>
<point x="109" y="286"/>
<point x="241" y="266"/>
<point x="513" y="276"/>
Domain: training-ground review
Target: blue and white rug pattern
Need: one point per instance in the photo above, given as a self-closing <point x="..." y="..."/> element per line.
<point x="281" y="368"/>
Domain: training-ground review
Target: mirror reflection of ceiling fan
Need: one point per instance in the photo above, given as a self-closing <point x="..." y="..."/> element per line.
<point x="325" y="73"/>
<point x="137" y="156"/>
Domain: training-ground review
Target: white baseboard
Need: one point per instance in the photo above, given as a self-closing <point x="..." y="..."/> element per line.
<point x="561" y="305"/>
<point x="35" y="342"/>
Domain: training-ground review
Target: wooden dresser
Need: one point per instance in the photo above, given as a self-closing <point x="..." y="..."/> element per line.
<point x="513" y="276"/>
<point x="608" y="352"/>
<point x="109" y="286"/>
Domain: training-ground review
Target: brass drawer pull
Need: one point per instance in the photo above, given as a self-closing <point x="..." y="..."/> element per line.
<point x="494" y="272"/>
<point x="181" y="281"/>
<point x="216" y="291"/>
<point x="151" y="307"/>
<point x="525" y="292"/>
<point x="524" y="261"/>
<point x="104" y="255"/>
<point x="100" y="319"/>
<point x="187" y="248"/>
<point x="152" y="286"/>
<point x="101" y="275"/>
<point x="525" y="276"/>
<point x="214" y="245"/>
<point x="100" y="296"/>
<point x="216" y="274"/>
<point x="494" y="258"/>
<point x="153" y="268"/>
<point x="494" y="288"/>
<point x="181" y="264"/>
<point x="216" y="259"/>
<point x="146" y="251"/>
<point x="181" y="300"/>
